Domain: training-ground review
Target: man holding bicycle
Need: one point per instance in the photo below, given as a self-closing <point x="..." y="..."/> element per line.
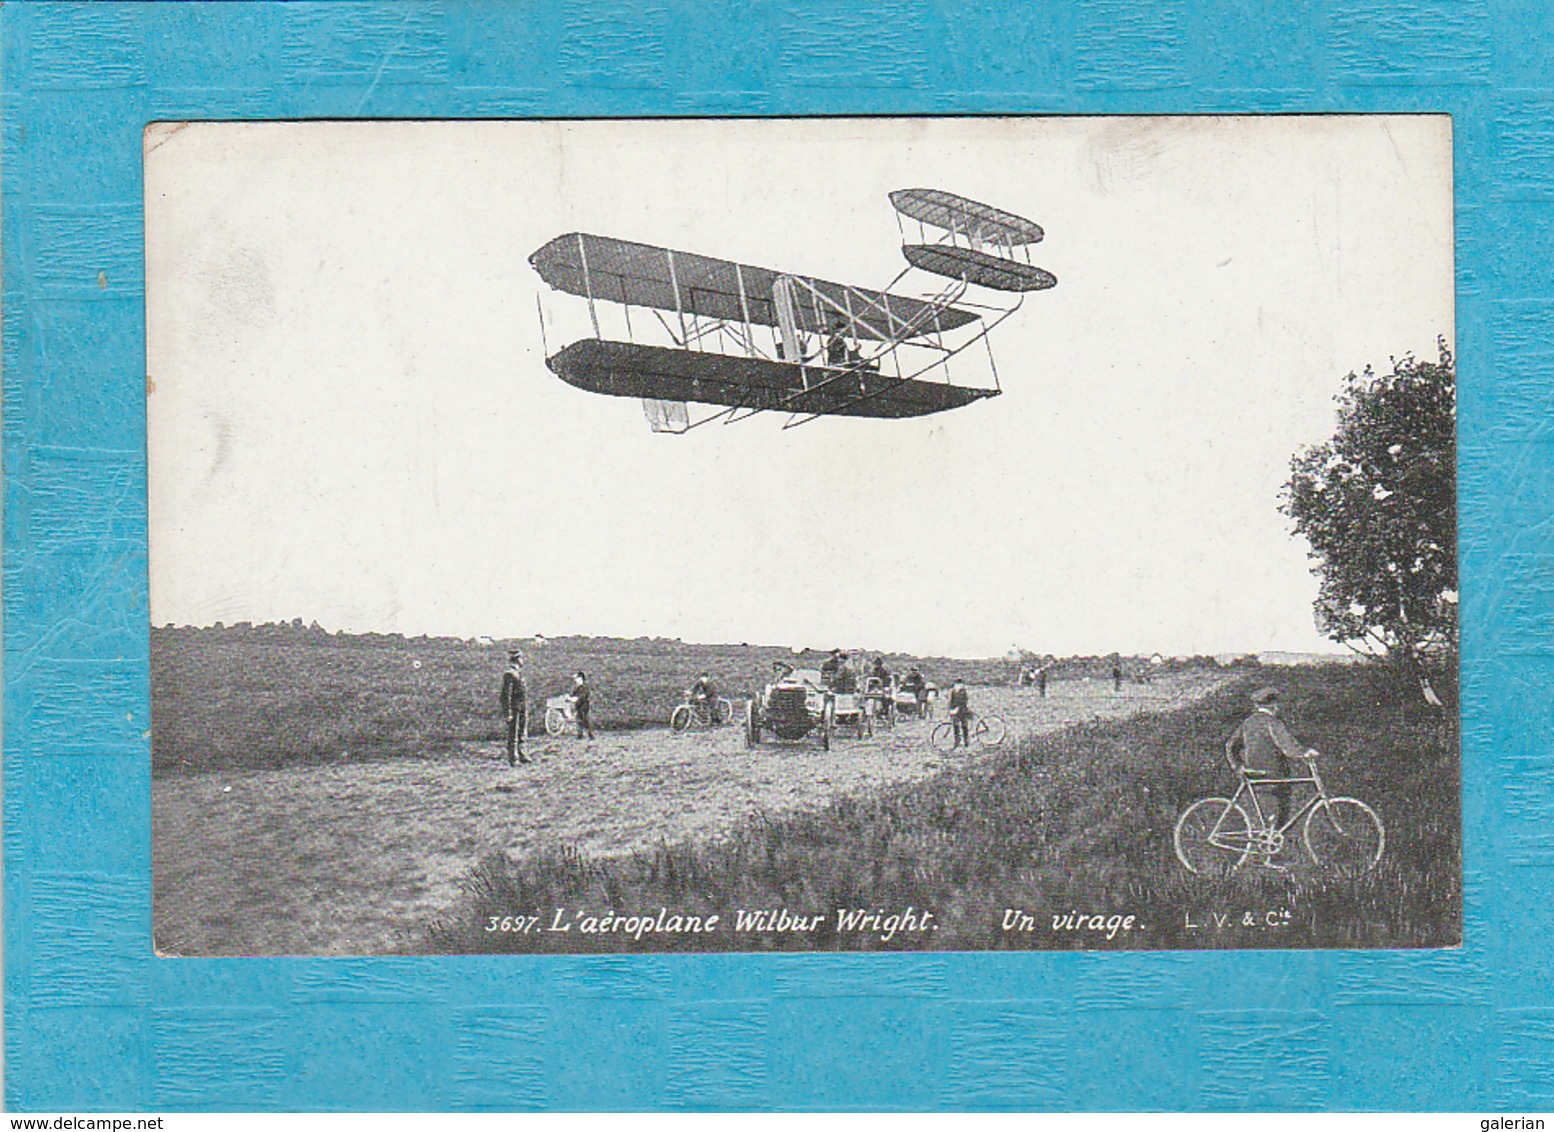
<point x="960" y="714"/>
<point x="1262" y="747"/>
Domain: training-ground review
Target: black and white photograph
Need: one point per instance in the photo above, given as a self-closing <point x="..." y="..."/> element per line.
<point x="819" y="534"/>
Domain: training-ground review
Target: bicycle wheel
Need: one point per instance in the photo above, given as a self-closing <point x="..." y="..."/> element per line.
<point x="1345" y="836"/>
<point x="1213" y="837"/>
<point x="989" y="731"/>
<point x="680" y="718"/>
<point x="722" y="711"/>
<point x="752" y="725"/>
<point x="943" y="738"/>
<point x="555" y="721"/>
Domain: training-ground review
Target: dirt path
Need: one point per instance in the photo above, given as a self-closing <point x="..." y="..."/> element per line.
<point x="354" y="858"/>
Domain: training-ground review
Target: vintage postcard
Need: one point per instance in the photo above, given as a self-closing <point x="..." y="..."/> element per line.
<point x="877" y="534"/>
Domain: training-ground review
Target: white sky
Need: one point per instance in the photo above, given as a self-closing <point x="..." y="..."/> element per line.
<point x="352" y="421"/>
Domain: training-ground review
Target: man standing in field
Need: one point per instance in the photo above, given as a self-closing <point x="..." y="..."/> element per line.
<point x="1262" y="747"/>
<point x="581" y="696"/>
<point x="960" y="714"/>
<point x="515" y="708"/>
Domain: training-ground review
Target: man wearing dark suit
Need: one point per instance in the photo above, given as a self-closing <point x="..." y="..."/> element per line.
<point x="1262" y="747"/>
<point x="515" y="708"/>
<point x="581" y="696"/>
<point x="845" y="682"/>
<point x="828" y="670"/>
<point x="878" y="671"/>
<point x="960" y="714"/>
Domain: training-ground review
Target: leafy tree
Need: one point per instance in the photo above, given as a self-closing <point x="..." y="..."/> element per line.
<point x="1378" y="504"/>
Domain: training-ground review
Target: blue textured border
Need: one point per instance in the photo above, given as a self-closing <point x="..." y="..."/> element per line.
<point x="93" y="1020"/>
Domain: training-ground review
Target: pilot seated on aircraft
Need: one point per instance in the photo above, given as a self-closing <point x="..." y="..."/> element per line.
<point x="836" y="345"/>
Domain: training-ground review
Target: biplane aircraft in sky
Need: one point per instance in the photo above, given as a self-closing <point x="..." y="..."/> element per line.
<point x="744" y="340"/>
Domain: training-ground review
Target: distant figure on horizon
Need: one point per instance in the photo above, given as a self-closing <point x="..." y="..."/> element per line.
<point x="581" y="697"/>
<point x="828" y="670"/>
<point x="515" y="708"/>
<point x="1117" y="674"/>
<point x="1041" y="681"/>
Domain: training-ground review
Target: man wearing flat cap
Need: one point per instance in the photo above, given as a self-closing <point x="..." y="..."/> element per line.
<point x="1263" y="747"/>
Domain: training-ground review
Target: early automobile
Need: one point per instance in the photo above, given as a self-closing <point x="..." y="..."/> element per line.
<point x="914" y="701"/>
<point x="793" y="706"/>
<point x="853" y="711"/>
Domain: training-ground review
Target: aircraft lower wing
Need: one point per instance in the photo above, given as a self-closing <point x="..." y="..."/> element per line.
<point x="658" y="373"/>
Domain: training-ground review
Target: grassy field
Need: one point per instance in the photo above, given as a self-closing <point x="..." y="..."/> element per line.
<point x="277" y="695"/>
<point x="1071" y="830"/>
<point x="357" y="856"/>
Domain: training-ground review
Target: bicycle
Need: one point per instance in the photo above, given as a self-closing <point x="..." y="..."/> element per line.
<point x="560" y="714"/>
<point x="986" y="731"/>
<point x="1214" y="836"/>
<point x="700" y="713"/>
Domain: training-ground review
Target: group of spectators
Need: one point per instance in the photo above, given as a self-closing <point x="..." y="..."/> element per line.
<point x="1261" y="747"/>
<point x="837" y="674"/>
<point x="1034" y="676"/>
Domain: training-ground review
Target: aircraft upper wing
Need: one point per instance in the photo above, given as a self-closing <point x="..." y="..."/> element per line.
<point x="642" y="275"/>
<point x="957" y="214"/>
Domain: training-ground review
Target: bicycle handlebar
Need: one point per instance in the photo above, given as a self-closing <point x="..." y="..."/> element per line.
<point x="1310" y="756"/>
